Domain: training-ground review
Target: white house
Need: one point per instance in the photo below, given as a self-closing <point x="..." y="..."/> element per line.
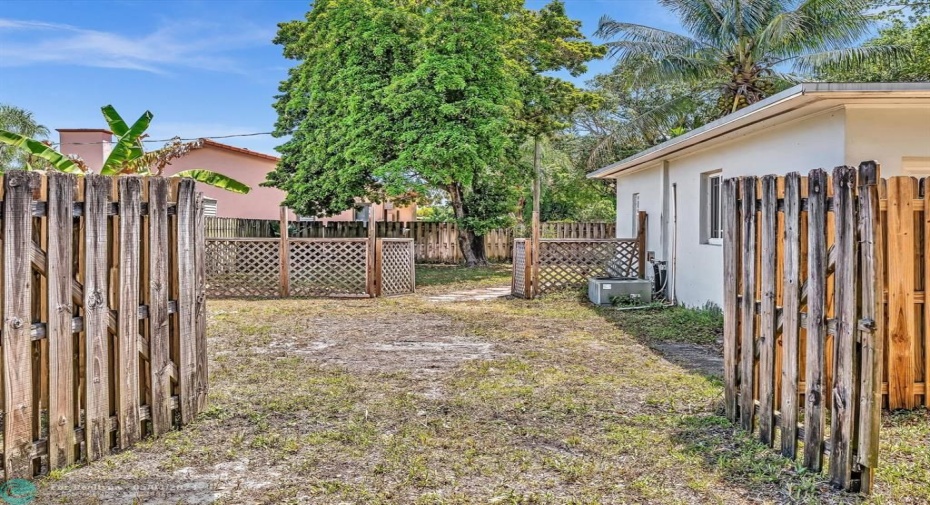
<point x="812" y="125"/>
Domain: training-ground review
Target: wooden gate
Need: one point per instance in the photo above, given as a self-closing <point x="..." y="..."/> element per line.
<point x="394" y="263"/>
<point x="104" y="320"/>
<point x="338" y="267"/>
<point x="563" y="263"/>
<point x="803" y="316"/>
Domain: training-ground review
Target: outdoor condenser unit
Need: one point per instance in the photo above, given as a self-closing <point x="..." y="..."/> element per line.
<point x="601" y="290"/>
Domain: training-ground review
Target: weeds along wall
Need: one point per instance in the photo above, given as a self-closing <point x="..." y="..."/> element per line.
<point x="104" y="322"/>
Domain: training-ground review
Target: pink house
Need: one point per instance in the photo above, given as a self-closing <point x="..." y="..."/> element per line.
<point x="247" y="166"/>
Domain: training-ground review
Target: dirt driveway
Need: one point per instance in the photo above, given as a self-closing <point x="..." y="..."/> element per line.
<point x="424" y="400"/>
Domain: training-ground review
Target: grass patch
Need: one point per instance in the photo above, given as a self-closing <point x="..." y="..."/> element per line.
<point x="405" y="401"/>
<point x="673" y="324"/>
<point x="461" y="277"/>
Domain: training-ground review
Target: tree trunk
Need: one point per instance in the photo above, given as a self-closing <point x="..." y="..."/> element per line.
<point x="471" y="245"/>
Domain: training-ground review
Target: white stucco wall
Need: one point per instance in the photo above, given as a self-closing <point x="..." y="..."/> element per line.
<point x="648" y="183"/>
<point x="886" y="134"/>
<point x="697" y="268"/>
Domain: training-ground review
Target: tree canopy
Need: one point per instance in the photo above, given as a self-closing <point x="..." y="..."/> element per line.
<point x="392" y="98"/>
<point x="742" y="51"/>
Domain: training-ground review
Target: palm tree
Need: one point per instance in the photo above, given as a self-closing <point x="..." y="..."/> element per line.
<point x="746" y="50"/>
<point x="22" y="122"/>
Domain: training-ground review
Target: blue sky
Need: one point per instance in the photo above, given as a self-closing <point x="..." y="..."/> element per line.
<point x="203" y="67"/>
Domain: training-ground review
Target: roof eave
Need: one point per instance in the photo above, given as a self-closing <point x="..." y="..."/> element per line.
<point x="739" y="119"/>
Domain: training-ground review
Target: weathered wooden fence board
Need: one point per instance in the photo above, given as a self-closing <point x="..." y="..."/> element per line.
<point x="434" y="242"/>
<point x="60" y="336"/>
<point x="837" y="305"/>
<point x="816" y="320"/>
<point x="87" y="345"/>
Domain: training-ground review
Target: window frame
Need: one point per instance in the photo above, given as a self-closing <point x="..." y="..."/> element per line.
<point x="634" y="201"/>
<point x="709" y="182"/>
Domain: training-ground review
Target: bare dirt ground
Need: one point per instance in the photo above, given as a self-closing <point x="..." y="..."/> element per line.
<point x="414" y="400"/>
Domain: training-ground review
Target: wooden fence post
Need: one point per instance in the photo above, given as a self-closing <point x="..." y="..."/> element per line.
<point x="902" y="327"/>
<point x="60" y="336"/>
<point x="283" y="255"/>
<point x="871" y="331"/>
<point x="768" y="265"/>
<point x="748" y="303"/>
<point x="373" y="265"/>
<point x="844" y="365"/>
<point x="791" y="305"/>
<point x="17" y="318"/>
<point x="731" y="264"/>
<point x="97" y="190"/>
<point x="157" y="299"/>
<point x="816" y="320"/>
<point x="130" y="218"/>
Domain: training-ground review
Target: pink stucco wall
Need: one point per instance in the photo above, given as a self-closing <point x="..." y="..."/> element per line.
<point x="259" y="203"/>
<point x="249" y="167"/>
<point x="92" y="146"/>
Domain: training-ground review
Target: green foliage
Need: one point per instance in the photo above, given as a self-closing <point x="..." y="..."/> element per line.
<point x="19" y="122"/>
<point x="35" y="149"/>
<point x="127" y="156"/>
<point x="898" y="33"/>
<point x="436" y="213"/>
<point x="738" y="48"/>
<point x="633" y="115"/>
<point x="567" y="193"/>
<point x="392" y="97"/>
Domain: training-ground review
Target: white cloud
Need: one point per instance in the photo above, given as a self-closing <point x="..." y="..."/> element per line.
<point x="182" y="44"/>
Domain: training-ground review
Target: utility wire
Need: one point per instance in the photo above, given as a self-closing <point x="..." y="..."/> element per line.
<point x="212" y="137"/>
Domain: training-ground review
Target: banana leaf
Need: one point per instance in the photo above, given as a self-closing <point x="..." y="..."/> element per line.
<point x="128" y="146"/>
<point x="57" y="160"/>
<point x="214" y="179"/>
<point x="118" y="126"/>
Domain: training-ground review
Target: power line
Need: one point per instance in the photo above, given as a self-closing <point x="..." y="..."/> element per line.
<point x="211" y="137"/>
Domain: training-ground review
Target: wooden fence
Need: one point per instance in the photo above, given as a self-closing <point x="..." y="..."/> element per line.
<point x="803" y="316"/>
<point x="103" y="315"/>
<point x="433" y="242"/>
<point x="558" y="264"/>
<point x="287" y="266"/>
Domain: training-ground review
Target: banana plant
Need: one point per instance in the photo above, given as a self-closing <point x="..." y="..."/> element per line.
<point x="128" y="157"/>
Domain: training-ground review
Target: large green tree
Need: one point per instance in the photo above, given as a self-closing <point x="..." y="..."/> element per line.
<point x="398" y="97"/>
<point x="745" y="50"/>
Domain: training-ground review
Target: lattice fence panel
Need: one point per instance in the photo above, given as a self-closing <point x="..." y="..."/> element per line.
<point x="242" y="267"/>
<point x="519" y="268"/>
<point x="397" y="267"/>
<point x="569" y="264"/>
<point x="328" y="267"/>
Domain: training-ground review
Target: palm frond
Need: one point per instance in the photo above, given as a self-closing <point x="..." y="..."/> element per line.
<point x="703" y="18"/>
<point x="849" y="59"/>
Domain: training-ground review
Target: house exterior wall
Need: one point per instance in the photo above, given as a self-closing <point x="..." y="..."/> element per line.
<point x="695" y="266"/>
<point x="886" y="134"/>
<point x="93" y="146"/>
<point x="259" y="203"/>
<point x="648" y="184"/>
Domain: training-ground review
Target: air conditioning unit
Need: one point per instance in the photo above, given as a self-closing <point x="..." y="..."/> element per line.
<point x="601" y="290"/>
